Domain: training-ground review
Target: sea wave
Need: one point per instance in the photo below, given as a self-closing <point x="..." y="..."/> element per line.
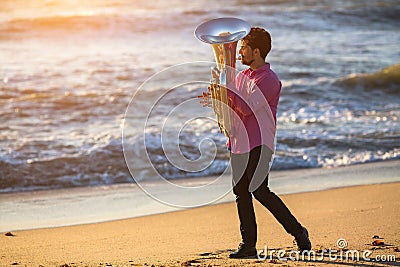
<point x="104" y="165"/>
<point x="322" y="15"/>
<point x="386" y="80"/>
<point x="70" y="71"/>
<point x="109" y="24"/>
<point x="35" y="166"/>
<point x="382" y="14"/>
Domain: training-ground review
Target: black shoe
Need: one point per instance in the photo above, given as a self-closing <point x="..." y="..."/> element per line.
<point x="302" y="240"/>
<point x="244" y="251"/>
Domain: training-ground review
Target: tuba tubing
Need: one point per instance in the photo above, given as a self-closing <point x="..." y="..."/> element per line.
<point x="223" y="35"/>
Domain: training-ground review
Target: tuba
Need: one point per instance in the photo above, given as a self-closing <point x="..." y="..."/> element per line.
<point x="223" y="35"/>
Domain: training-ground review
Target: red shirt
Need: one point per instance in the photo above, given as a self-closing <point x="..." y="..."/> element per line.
<point x="254" y="102"/>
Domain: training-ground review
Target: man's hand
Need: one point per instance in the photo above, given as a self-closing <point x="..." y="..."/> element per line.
<point x="205" y="99"/>
<point x="215" y="74"/>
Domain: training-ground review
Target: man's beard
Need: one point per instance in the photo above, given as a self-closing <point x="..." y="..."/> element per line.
<point x="247" y="63"/>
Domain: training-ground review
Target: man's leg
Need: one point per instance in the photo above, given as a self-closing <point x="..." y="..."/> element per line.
<point x="244" y="203"/>
<point x="272" y="202"/>
<point x="276" y="206"/>
<point x="247" y="218"/>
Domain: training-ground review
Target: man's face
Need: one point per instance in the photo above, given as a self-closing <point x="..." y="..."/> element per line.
<point x="247" y="54"/>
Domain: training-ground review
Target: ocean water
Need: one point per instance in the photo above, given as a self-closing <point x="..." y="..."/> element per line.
<point x="69" y="69"/>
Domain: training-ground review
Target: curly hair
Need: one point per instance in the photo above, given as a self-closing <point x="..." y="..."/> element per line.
<point x="259" y="38"/>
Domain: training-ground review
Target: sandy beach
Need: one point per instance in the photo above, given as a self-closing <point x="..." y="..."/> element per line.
<point x="357" y="216"/>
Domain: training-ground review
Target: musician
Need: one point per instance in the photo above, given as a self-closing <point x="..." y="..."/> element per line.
<point x="254" y="101"/>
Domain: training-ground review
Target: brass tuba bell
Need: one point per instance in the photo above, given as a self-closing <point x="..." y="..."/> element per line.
<point x="223" y="35"/>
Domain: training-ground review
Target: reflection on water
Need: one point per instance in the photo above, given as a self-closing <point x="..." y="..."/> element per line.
<point x="69" y="71"/>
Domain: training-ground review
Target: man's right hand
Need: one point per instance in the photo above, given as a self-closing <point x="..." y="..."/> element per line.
<point x="205" y="99"/>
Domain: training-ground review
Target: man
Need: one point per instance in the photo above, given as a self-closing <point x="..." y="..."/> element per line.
<point x="254" y="102"/>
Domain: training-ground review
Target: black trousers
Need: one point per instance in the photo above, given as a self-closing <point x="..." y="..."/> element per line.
<point x="254" y="166"/>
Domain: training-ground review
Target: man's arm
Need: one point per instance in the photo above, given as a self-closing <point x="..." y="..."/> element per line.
<point x="248" y="107"/>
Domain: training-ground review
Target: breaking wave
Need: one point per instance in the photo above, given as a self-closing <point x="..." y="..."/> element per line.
<point x="387" y="80"/>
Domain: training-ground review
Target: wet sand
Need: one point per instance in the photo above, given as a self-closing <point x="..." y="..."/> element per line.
<point x="205" y="236"/>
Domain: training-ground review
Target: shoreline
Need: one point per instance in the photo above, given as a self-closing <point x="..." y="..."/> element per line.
<point x="85" y="205"/>
<point x="277" y="173"/>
